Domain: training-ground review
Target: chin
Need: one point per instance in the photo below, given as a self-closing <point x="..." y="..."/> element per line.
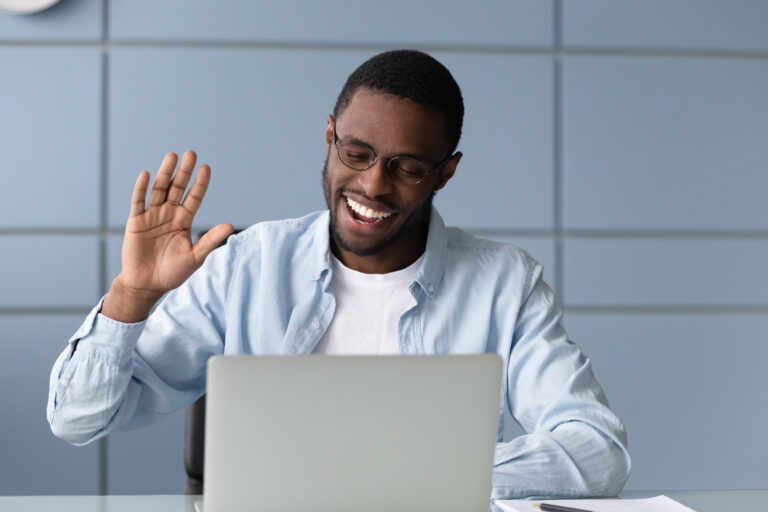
<point x="362" y="245"/>
<point x="359" y="246"/>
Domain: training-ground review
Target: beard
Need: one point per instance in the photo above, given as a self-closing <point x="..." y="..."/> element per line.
<point x="420" y="217"/>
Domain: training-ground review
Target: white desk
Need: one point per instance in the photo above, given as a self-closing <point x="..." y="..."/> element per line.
<point x="713" y="501"/>
<point x="701" y="501"/>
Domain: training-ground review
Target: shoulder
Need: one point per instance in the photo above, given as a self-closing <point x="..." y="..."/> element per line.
<point x="269" y="234"/>
<point x="279" y="249"/>
<point x="491" y="259"/>
<point x="459" y="241"/>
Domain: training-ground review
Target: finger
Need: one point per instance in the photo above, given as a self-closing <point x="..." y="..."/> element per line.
<point x="159" y="190"/>
<point x="139" y="194"/>
<point x="211" y="240"/>
<point x="197" y="191"/>
<point x="181" y="178"/>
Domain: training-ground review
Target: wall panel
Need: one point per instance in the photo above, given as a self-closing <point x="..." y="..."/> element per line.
<point x="398" y="22"/>
<point x="49" y="136"/>
<point x="60" y="271"/>
<point x="505" y="178"/>
<point x="714" y="25"/>
<point x="642" y="272"/>
<point x="149" y="460"/>
<point x="33" y="460"/>
<point x="689" y="389"/>
<point x="665" y="143"/>
<point x="70" y="20"/>
<point x="250" y="114"/>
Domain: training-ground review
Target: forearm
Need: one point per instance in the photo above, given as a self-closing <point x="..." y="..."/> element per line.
<point x="576" y="446"/>
<point x="125" y="375"/>
<point x="573" y="460"/>
<point x="88" y="386"/>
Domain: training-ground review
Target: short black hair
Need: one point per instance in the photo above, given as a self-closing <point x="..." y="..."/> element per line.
<point x="414" y="75"/>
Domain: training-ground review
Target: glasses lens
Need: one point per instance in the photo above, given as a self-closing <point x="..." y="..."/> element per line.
<point x="355" y="156"/>
<point x="408" y="170"/>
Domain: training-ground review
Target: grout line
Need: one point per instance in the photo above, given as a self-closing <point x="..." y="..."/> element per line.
<point x="622" y="51"/>
<point x="597" y="51"/>
<point x="104" y="230"/>
<point x="557" y="25"/>
<point x="689" y="234"/>
<point x="667" y="234"/>
<point x="104" y="145"/>
<point x="669" y="309"/>
<point x="557" y="153"/>
<point x="105" y="22"/>
<point x="53" y="43"/>
<point x="612" y="234"/>
<point x="337" y="46"/>
<point x="49" y="231"/>
<point x="103" y="208"/>
<point x="50" y="310"/>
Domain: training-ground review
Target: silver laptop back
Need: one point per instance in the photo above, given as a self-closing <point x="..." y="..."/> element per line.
<point x="350" y="433"/>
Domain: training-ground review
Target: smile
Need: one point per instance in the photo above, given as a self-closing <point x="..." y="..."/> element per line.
<point x="366" y="214"/>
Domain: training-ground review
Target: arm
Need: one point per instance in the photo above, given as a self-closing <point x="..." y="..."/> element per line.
<point x="575" y="446"/>
<point x="121" y="369"/>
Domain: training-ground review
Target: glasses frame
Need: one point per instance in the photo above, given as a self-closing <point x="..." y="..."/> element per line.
<point x="387" y="161"/>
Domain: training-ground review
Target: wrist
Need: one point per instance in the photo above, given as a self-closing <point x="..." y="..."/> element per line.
<point x="126" y="304"/>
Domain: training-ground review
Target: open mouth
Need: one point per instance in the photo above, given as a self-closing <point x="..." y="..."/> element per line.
<point x="366" y="215"/>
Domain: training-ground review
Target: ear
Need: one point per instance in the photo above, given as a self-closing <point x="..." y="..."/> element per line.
<point x="448" y="170"/>
<point x="328" y="135"/>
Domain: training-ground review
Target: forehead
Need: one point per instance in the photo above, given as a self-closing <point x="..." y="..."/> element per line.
<point x="392" y="124"/>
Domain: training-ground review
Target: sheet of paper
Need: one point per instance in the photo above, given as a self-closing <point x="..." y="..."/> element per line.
<point x="655" y="504"/>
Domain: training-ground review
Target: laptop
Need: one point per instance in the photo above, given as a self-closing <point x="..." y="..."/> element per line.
<point x="350" y="433"/>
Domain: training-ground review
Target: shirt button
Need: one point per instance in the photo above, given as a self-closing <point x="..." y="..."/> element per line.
<point x="431" y="289"/>
<point x="315" y="324"/>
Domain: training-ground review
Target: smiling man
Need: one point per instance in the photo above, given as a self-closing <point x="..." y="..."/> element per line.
<point x="379" y="217"/>
<point x="377" y="273"/>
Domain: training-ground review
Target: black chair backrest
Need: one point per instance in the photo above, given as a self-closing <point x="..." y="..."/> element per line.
<point x="194" y="446"/>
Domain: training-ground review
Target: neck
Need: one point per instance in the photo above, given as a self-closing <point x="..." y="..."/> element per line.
<point x="394" y="257"/>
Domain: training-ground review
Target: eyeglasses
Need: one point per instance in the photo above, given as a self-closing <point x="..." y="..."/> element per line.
<point x="404" y="169"/>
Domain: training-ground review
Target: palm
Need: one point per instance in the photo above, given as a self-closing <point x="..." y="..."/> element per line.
<point x="158" y="253"/>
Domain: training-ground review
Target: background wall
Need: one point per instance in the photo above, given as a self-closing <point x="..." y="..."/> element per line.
<point x="622" y="143"/>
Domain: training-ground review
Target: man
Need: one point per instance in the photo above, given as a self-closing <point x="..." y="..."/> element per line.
<point x="378" y="273"/>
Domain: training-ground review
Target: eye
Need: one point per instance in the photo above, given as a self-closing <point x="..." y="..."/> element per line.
<point x="356" y="154"/>
<point x="409" y="168"/>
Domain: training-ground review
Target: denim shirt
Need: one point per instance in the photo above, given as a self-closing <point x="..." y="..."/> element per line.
<point x="268" y="291"/>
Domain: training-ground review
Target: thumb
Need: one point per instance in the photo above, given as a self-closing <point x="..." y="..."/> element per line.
<point x="210" y="241"/>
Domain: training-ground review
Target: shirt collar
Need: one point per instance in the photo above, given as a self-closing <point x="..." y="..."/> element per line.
<point x="431" y="272"/>
<point x="428" y="276"/>
<point x="321" y="247"/>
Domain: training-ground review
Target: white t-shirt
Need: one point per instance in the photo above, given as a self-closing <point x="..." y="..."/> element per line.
<point x="368" y="310"/>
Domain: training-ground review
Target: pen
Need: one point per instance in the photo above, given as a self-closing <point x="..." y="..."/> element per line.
<point x="548" y="507"/>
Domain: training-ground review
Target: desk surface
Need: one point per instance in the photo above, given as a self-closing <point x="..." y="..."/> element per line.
<point x="700" y="501"/>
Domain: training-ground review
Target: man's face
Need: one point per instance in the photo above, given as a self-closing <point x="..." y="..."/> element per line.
<point x="378" y="224"/>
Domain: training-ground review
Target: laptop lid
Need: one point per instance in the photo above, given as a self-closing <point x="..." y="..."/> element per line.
<point x="350" y="433"/>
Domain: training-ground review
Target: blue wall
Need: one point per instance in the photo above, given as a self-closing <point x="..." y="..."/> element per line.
<point x="622" y="143"/>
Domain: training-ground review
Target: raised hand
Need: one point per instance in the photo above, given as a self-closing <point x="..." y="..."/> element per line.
<point x="158" y="253"/>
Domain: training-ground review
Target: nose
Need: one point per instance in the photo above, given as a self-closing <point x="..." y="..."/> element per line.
<point x="376" y="181"/>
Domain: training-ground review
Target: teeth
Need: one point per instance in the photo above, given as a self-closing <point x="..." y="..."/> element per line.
<point x="365" y="211"/>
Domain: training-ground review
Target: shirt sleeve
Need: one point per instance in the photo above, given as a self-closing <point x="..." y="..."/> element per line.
<point x="115" y="376"/>
<point x="575" y="445"/>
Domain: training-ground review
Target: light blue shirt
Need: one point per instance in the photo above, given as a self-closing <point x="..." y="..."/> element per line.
<point x="268" y="291"/>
